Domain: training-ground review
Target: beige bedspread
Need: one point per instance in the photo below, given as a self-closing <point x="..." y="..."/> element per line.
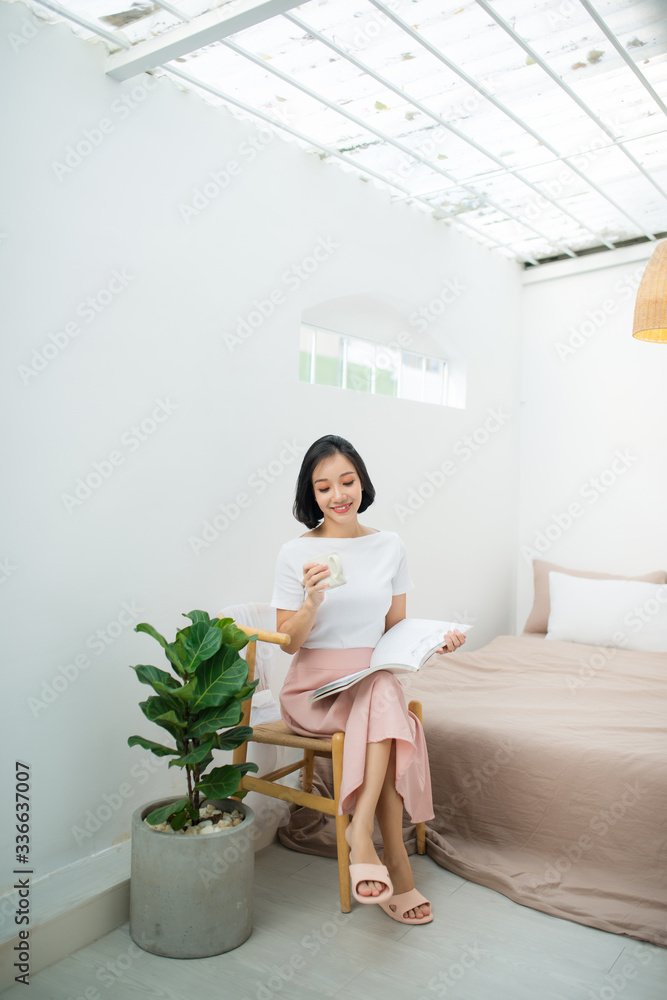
<point x="549" y="767"/>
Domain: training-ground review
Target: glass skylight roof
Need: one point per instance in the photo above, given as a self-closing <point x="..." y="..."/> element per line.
<point x="538" y="126"/>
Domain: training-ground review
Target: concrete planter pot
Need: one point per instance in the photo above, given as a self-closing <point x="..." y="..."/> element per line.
<point x="191" y="896"/>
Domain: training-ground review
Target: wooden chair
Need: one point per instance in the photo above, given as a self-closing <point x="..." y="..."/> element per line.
<point x="279" y="734"/>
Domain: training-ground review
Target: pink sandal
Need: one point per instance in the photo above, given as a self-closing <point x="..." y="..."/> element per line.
<point x="371" y="873"/>
<point x="401" y="903"/>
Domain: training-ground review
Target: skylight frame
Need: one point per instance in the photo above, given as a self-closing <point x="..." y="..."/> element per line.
<point x="488" y="203"/>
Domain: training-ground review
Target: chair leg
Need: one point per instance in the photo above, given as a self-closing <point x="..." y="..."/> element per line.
<point x="343" y="849"/>
<point x="420" y="828"/>
<point x="308" y="769"/>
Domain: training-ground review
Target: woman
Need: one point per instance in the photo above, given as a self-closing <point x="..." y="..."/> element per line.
<point x="385" y="763"/>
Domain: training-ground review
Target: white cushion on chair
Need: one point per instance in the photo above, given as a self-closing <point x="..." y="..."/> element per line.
<point x="269" y="813"/>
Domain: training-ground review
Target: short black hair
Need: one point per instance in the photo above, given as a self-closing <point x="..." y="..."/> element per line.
<point x="305" y="507"/>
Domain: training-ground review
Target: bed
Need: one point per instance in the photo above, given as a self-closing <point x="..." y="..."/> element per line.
<point x="548" y="763"/>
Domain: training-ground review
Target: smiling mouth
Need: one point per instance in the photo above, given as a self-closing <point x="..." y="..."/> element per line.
<point x="342" y="510"/>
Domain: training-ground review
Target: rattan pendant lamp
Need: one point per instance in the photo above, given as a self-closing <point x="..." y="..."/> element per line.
<point x="650" y="322"/>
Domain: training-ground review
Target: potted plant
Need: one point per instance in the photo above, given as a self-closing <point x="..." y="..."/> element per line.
<point x="186" y="899"/>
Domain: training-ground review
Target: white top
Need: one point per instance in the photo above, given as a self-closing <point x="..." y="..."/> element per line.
<point x="352" y="615"/>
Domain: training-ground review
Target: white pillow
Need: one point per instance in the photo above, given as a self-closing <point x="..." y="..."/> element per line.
<point x="625" y="613"/>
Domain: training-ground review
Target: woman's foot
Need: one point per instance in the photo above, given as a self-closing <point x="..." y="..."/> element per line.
<point x="362" y="852"/>
<point x="400" y="873"/>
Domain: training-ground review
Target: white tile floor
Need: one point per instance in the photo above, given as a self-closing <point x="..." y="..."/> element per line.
<point x="481" y="946"/>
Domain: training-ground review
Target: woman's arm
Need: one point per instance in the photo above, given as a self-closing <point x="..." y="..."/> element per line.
<point x="396" y="612"/>
<point x="298" y="624"/>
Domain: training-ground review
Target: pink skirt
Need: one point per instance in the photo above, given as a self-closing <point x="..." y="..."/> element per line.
<point x="370" y="711"/>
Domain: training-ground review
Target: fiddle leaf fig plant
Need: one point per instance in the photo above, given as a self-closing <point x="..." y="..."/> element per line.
<point x="200" y="705"/>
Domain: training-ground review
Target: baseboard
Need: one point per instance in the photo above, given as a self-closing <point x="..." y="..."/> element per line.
<point x="60" y="936"/>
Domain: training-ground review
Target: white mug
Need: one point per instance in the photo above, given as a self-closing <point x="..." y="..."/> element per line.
<point x="336" y="576"/>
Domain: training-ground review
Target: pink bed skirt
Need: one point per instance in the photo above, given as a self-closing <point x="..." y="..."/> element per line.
<point x="375" y="709"/>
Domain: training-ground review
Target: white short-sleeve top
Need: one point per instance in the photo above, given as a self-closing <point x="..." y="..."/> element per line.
<point x="352" y="615"/>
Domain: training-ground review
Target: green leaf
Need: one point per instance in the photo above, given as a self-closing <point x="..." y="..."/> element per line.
<point x="178" y="821"/>
<point x="201" y="644"/>
<point x="234" y="738"/>
<point x="222" y="623"/>
<point x="246" y="766"/>
<point x="218" y="679"/>
<point x="210" y="720"/>
<point x="153" y="708"/>
<point x="172" y="718"/>
<point x="203" y="764"/>
<point x="171" y="696"/>
<point x="223" y="781"/>
<point x="178" y="649"/>
<point x="162" y="814"/>
<point x="148" y="675"/>
<point x="186" y="693"/>
<point x="169" y="650"/>
<point x="196" y="755"/>
<point x="247" y="690"/>
<point x="197" y="616"/>
<point x="157" y="748"/>
<point x="232" y="635"/>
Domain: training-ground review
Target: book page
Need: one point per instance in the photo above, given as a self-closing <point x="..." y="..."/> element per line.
<point x="412" y="641"/>
<point x="406" y="646"/>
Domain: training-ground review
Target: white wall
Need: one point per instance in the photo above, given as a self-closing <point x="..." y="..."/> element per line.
<point x="594" y="423"/>
<point x="81" y="574"/>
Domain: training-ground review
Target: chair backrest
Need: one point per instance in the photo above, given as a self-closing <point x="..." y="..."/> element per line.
<point x="257" y="617"/>
<point x="249" y="618"/>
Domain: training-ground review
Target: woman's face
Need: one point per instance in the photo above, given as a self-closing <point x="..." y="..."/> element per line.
<point x="337" y="490"/>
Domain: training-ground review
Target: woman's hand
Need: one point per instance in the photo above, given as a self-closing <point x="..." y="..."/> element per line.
<point x="453" y="639"/>
<point x="314" y="582"/>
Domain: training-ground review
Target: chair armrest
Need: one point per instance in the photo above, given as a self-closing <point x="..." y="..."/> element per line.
<point x="281" y="638"/>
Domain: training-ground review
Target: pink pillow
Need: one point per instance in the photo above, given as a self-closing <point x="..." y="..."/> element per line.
<point x="539" y="616"/>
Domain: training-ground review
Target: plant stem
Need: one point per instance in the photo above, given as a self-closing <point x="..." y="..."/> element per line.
<point x="190" y="789"/>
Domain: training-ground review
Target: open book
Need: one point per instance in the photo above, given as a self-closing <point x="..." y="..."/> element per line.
<point x="406" y="646"/>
